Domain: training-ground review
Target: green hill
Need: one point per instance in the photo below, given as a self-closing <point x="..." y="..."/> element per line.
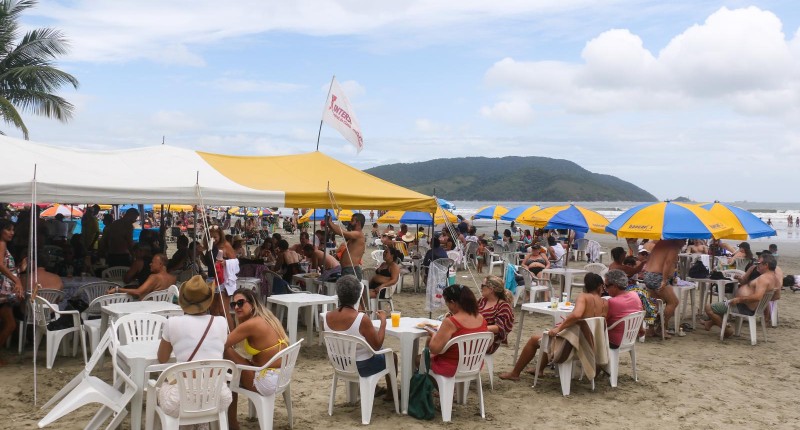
<point x="510" y="179"/>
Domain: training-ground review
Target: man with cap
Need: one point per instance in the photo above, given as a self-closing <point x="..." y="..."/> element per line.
<point x="194" y="336"/>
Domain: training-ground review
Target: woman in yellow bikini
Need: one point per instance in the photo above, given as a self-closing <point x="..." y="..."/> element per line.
<point x="255" y="340"/>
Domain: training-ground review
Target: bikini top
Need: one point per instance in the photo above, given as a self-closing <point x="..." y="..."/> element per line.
<point x="252" y="351"/>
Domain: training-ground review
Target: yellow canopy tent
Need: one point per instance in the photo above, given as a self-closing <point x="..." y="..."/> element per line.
<point x="305" y="178"/>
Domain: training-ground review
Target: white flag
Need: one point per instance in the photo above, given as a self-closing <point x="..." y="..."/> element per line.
<point x="339" y="115"/>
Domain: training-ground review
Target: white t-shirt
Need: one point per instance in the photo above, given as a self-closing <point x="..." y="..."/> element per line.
<point x="184" y="332"/>
<point x="559" y="250"/>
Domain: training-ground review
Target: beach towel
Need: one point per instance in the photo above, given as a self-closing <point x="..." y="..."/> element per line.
<point x="581" y="343"/>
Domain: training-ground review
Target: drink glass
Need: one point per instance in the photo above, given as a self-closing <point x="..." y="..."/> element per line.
<point x="396" y="319"/>
<point x="553" y="301"/>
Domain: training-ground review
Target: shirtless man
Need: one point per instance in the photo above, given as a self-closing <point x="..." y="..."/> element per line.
<point x="304" y="240"/>
<point x="659" y="270"/>
<point x="118" y="239"/>
<point x="698" y="247"/>
<point x="158" y="280"/>
<point x="351" y="259"/>
<point x="318" y="258"/>
<point x="748" y="296"/>
<point x="44" y="278"/>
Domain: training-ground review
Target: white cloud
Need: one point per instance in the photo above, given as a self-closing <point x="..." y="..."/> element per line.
<point x="513" y="112"/>
<point x="174" y="121"/>
<point x="736" y="58"/>
<point x="427" y="126"/>
<point x="352" y="89"/>
<point x="173" y="31"/>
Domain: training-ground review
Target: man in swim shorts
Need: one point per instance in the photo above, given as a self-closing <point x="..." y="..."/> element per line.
<point x="356" y="244"/>
<point x="659" y="270"/>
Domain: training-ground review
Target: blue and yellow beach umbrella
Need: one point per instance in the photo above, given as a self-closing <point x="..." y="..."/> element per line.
<point x="743" y="222"/>
<point x="520" y="211"/>
<point x="566" y="217"/>
<point x="668" y="220"/>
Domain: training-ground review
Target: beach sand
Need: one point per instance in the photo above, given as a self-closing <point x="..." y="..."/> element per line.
<point x="687" y="382"/>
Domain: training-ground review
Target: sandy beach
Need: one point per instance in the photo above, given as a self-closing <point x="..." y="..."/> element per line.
<point x="687" y="382"/>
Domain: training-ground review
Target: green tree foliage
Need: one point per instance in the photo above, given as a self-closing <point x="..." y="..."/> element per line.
<point x="510" y="179"/>
<point x="28" y="78"/>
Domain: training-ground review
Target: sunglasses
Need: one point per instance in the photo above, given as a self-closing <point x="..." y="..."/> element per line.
<point x="238" y="304"/>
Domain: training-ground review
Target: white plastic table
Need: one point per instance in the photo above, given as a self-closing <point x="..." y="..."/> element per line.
<point x="540" y="308"/>
<point x="116" y="310"/>
<point x="138" y="356"/>
<point x="409" y="336"/>
<point x="567" y="274"/>
<point x="293" y="302"/>
<point x="705" y="287"/>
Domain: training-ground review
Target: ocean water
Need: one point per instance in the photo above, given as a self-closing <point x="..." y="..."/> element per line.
<point x="777" y="212"/>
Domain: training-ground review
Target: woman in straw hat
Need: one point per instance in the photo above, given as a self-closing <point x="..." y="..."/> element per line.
<point x="194" y="336"/>
<point x="257" y="338"/>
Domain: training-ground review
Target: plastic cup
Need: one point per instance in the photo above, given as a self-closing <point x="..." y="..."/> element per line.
<point x="554" y="302"/>
<point x="395" y="319"/>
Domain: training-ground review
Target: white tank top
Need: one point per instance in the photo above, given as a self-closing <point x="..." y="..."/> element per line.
<point x="361" y="352"/>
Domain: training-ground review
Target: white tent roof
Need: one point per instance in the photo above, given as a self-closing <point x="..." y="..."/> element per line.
<point x="144" y="175"/>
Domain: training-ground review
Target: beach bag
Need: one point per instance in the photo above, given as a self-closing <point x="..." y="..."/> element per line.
<point x="698" y="270"/>
<point x="511" y="279"/>
<point x="420" y="399"/>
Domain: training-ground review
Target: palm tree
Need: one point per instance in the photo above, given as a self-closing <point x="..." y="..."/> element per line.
<point x="28" y="78"/>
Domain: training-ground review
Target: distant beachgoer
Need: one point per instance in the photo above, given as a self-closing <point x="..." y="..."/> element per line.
<point x="769" y="222"/>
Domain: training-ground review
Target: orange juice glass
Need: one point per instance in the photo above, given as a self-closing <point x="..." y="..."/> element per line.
<point x="396" y="319"/>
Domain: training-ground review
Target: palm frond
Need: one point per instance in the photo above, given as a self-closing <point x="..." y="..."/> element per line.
<point x="11" y="116"/>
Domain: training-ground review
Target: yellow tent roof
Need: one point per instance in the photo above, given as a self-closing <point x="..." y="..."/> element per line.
<point x="305" y="178"/>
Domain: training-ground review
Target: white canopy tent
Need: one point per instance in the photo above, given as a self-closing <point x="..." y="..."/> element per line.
<point x="144" y="175"/>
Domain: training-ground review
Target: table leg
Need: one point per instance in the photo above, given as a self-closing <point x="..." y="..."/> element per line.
<point x="310" y="322"/>
<point x="137" y="374"/>
<point x="103" y="323"/>
<point x="694" y="314"/>
<point x="519" y="334"/>
<point x="568" y="286"/>
<point x="406" y="368"/>
<point x="291" y="321"/>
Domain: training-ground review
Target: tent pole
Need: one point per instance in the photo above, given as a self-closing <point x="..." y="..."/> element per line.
<point x="32" y="245"/>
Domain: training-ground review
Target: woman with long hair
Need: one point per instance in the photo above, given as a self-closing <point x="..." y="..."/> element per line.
<point x="495" y="308"/>
<point x="258" y="336"/>
<point x="10" y="283"/>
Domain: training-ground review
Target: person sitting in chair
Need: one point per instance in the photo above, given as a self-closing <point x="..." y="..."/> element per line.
<point x="387" y="274"/>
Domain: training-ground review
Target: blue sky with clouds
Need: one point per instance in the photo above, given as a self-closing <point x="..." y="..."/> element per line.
<point x="697" y="98"/>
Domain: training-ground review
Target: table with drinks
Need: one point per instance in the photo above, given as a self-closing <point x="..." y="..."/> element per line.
<point x="409" y="331"/>
<point x="558" y="310"/>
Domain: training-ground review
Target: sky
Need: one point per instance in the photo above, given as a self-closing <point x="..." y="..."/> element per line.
<point x="681" y="98"/>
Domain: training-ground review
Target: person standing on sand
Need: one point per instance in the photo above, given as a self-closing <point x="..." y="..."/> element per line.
<point x="351" y="259"/>
<point x="660" y="270"/>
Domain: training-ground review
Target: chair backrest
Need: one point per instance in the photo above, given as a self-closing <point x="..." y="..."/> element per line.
<point x="765" y="299"/>
<point x="632" y="322"/>
<point x="581" y="244"/>
<point x="94" y="290"/>
<point x="367" y="273"/>
<point x="288" y="358"/>
<point x="731" y="273"/>
<point x="471" y="249"/>
<point x="342" y="352"/>
<point x="401" y="246"/>
<point x="96" y="304"/>
<point x="167" y="295"/>
<point x="139" y="327"/>
<point x="115" y="273"/>
<point x="184" y="275"/>
<point x="598" y="268"/>
<point x="560" y="262"/>
<point x="471" y="350"/>
<point x="741" y="263"/>
<point x="42" y="312"/>
<point x="199" y="386"/>
<point x="52" y="296"/>
<point x="377" y="255"/>
<point x="455" y="255"/>
<point x="247" y="284"/>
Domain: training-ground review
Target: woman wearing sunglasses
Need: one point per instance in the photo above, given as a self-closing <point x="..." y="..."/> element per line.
<point x="257" y="338"/>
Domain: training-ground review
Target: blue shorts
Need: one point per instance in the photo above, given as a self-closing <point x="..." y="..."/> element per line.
<point x="371" y="366"/>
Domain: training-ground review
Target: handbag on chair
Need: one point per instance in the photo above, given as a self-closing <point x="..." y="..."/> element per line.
<point x="420" y="398"/>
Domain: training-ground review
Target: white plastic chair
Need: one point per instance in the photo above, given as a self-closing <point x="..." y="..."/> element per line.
<point x="342" y="356"/>
<point x="533" y="285"/>
<point x="470" y="254"/>
<point x="92" y="327"/>
<point x="139" y="327"/>
<point x="439" y="272"/>
<point x="632" y="322"/>
<point x="596" y="268"/>
<point x="199" y="385"/>
<point x="52" y="296"/>
<point x="248" y="284"/>
<point x="773" y="313"/>
<point x="115" y="273"/>
<point x="580" y="252"/>
<point x="264" y="406"/>
<point x="91" y="291"/>
<point x="565" y="369"/>
<point x="751" y="319"/>
<point x="471" y="353"/>
<point x="85" y="389"/>
<point x="42" y="310"/>
<point x="492" y="259"/>
<point x="168" y="295"/>
<point x="377" y="256"/>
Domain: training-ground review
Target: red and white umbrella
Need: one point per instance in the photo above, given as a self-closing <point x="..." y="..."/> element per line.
<point x="67" y="211"/>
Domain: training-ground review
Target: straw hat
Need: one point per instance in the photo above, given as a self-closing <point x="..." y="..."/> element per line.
<point x="195" y="296"/>
<point x="408" y="237"/>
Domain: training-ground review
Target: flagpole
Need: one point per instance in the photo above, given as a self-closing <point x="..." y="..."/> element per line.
<point x="319" y="132"/>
